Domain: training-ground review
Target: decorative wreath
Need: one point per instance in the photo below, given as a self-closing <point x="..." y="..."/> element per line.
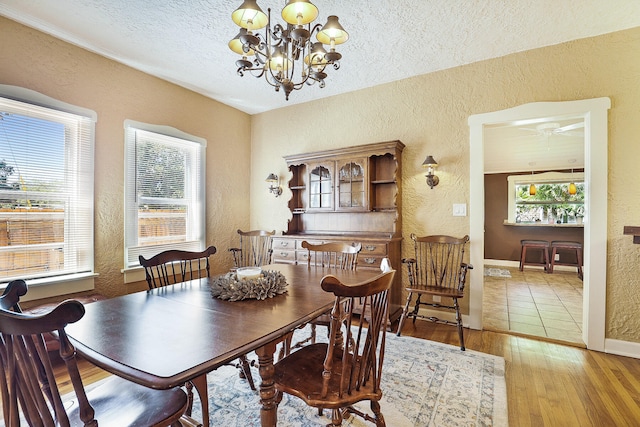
<point x="229" y="287"/>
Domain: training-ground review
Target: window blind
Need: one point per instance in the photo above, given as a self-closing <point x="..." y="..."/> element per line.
<point x="46" y="190"/>
<point x="164" y="191"/>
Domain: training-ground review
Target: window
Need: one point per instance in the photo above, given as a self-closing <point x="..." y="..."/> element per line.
<point x="164" y="191"/>
<point x="46" y="189"/>
<point x="551" y="203"/>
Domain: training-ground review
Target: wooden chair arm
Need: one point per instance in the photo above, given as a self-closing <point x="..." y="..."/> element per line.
<point x="411" y="270"/>
<point x="462" y="281"/>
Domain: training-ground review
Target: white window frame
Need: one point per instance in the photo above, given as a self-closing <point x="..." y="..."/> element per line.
<point x="79" y="216"/>
<point x="194" y="189"/>
<point x="539" y="178"/>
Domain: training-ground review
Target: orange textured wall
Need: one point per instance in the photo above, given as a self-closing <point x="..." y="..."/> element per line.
<point x="429" y="114"/>
<point x="39" y="62"/>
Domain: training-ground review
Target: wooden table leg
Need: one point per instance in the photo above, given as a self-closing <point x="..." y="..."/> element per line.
<point x="201" y="386"/>
<point x="268" y="412"/>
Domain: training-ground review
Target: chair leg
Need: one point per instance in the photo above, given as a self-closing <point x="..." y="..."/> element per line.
<point x="336" y="418"/>
<point x="245" y="370"/>
<point x="459" y="323"/>
<point x="189" y="387"/>
<point x="313" y="333"/>
<point x="552" y="261"/>
<point x="405" y="310"/>
<point x="547" y="261"/>
<point x="379" y="419"/>
<point x="416" y="308"/>
<point x="285" y="350"/>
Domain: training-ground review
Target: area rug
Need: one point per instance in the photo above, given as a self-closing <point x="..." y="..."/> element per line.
<point x="496" y="272"/>
<point x="425" y="383"/>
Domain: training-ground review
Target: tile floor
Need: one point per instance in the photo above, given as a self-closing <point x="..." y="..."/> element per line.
<point x="531" y="302"/>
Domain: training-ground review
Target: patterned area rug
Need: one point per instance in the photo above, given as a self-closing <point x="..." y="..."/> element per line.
<point x="496" y="272"/>
<point x="425" y="383"/>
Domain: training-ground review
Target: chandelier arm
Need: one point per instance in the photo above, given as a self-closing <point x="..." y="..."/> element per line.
<point x="260" y="57"/>
<point x="241" y="71"/>
<point x="279" y="33"/>
<point x="316" y="28"/>
<point x="257" y="75"/>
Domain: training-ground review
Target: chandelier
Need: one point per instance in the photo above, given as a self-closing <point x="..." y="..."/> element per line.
<point x="285" y="55"/>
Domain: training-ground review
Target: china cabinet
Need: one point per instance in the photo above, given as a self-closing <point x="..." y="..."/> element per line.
<point x="352" y="194"/>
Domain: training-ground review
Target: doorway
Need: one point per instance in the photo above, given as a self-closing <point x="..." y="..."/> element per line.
<point x="594" y="114"/>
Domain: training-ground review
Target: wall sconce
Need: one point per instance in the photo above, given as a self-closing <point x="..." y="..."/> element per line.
<point x="274" y="188"/>
<point x="430" y="164"/>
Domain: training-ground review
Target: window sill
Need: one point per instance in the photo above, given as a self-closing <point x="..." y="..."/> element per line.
<point x="56" y="286"/>
<point x="133" y="274"/>
<point x="543" y="224"/>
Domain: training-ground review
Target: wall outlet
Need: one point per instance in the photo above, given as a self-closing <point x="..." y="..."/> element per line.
<point x="557" y="257"/>
<point x="459" y="209"/>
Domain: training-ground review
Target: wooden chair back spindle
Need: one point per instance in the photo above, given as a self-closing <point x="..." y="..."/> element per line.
<point x="438" y="261"/>
<point x="255" y="248"/>
<point x="340" y="255"/>
<point x="173" y="266"/>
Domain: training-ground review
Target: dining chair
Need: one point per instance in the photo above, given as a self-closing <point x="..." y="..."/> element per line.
<point x="254" y="249"/>
<point x="437" y="270"/>
<point x="174" y="266"/>
<point x="340" y="255"/>
<point x="29" y="389"/>
<point x="334" y="375"/>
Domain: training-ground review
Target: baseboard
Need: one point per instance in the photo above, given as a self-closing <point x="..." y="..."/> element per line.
<point x="622" y="348"/>
<point x="516" y="264"/>
<point x="501" y="263"/>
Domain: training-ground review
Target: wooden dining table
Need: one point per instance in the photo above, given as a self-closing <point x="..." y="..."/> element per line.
<point x="165" y="337"/>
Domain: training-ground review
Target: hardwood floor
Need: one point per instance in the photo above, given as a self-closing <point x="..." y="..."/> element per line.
<point x="548" y="384"/>
<point x="552" y="384"/>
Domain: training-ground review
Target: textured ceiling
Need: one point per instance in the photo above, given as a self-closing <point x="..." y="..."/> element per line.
<point x="185" y="41"/>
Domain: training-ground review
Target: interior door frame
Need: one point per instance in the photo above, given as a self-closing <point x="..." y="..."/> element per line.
<point x="595" y="115"/>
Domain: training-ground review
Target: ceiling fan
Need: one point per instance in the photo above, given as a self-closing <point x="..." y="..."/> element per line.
<point x="548" y="129"/>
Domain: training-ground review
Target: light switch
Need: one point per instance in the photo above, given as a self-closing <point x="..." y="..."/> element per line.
<point x="459" y="209"/>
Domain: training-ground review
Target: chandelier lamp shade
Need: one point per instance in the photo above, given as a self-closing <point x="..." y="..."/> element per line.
<point x="285" y="55"/>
